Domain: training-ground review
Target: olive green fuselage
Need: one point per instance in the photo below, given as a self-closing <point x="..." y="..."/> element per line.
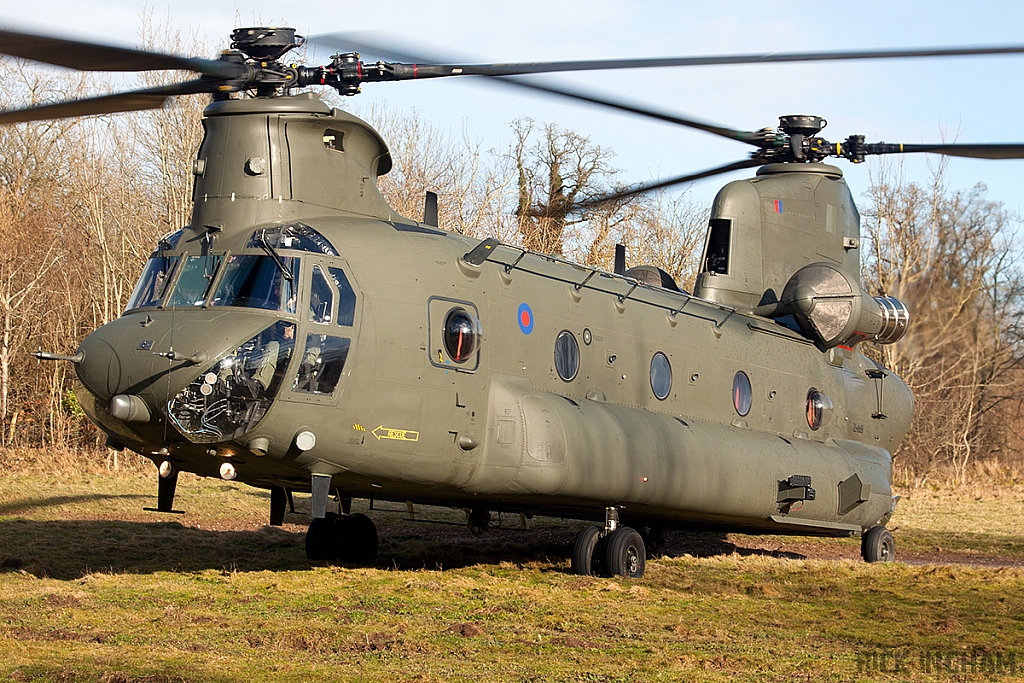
<point x="501" y="428"/>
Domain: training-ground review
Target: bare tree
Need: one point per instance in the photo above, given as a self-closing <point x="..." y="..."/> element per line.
<point x="471" y="188"/>
<point x="948" y="255"/>
<point x="556" y="175"/>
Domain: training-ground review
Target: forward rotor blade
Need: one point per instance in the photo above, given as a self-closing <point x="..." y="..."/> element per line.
<point x="134" y="100"/>
<point x="357" y="42"/>
<point x="371" y="43"/>
<point x="1012" y="150"/>
<point x="722" y="131"/>
<point x="75" y="54"/>
<point x="649" y="187"/>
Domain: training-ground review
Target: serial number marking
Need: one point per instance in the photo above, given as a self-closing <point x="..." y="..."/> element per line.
<point x="383" y="432"/>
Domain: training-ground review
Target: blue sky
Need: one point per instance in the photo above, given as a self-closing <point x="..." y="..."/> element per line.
<point x="907" y="101"/>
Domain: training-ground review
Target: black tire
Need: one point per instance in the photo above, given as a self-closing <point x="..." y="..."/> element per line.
<point x="877" y="545"/>
<point x="355" y="539"/>
<point x="625" y="554"/>
<point x="320" y="538"/>
<point x="583" y="551"/>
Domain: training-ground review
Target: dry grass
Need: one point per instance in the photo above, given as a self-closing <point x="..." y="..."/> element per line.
<point x="68" y="461"/>
<point x="93" y="589"/>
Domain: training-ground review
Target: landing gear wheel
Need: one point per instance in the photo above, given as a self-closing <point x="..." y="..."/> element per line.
<point x="877" y="545"/>
<point x="625" y="554"/>
<point x="583" y="554"/>
<point x="355" y="539"/>
<point x="320" y="537"/>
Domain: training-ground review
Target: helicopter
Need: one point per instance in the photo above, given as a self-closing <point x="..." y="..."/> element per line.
<point x="299" y="335"/>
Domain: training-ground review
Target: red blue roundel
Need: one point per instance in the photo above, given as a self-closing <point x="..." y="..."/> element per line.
<point x="525" y="318"/>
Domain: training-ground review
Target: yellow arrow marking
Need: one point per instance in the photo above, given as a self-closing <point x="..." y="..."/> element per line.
<point x="383" y="432"/>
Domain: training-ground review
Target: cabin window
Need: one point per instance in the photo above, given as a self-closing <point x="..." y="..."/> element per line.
<point x="819" y="409"/>
<point x="153" y="283"/>
<point x="194" y="282"/>
<point x="741" y="393"/>
<point x="346" y="297"/>
<point x="716" y="259"/>
<point x="461" y="335"/>
<point x="258" y="282"/>
<point x="321" y="297"/>
<point x="322" y="363"/>
<point x="661" y="376"/>
<point x="567" y="355"/>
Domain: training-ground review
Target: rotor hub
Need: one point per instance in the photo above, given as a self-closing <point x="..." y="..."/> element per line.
<point x="801" y="124"/>
<point x="265" y="43"/>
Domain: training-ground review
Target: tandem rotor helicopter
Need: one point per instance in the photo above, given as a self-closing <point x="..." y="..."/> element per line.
<point x="267" y="342"/>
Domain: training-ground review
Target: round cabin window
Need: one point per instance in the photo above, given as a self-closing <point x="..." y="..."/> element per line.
<point x="567" y="355"/>
<point x="661" y="376"/>
<point x="461" y="335"/>
<point x="819" y="409"/>
<point x="741" y="394"/>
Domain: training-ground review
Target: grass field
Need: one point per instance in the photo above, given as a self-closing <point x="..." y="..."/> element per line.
<point x="92" y="588"/>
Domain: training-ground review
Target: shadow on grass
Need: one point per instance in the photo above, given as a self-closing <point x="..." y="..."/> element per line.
<point x="711" y="544"/>
<point x="71" y="549"/>
<point x="23" y="506"/>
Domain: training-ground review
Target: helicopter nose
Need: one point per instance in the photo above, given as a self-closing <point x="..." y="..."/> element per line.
<point x="119" y="358"/>
<point x="100" y="370"/>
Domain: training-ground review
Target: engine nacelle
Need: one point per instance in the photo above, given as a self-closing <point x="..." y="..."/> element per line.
<point x="831" y="307"/>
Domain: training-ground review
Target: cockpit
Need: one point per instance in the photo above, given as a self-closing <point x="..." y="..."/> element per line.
<point x="290" y="270"/>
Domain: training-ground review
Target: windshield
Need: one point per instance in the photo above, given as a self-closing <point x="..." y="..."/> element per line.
<point x="153" y="283"/>
<point x="195" y="279"/>
<point x="257" y="282"/>
<point x="298" y="236"/>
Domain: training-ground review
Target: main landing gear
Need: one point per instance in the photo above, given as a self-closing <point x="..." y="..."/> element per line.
<point x="614" y="551"/>
<point x="876" y="545"/>
<point x="342" y="538"/>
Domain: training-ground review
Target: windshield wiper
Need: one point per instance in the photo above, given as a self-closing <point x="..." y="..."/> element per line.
<point x="265" y="246"/>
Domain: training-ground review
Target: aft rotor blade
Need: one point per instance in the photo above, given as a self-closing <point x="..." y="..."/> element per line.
<point x="75" y="54"/>
<point x="1012" y="150"/>
<point x="356" y="42"/>
<point x="134" y="100"/>
<point x="649" y="187"/>
<point x="360" y="42"/>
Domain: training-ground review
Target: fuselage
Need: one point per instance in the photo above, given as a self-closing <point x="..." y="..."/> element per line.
<point x="295" y="334"/>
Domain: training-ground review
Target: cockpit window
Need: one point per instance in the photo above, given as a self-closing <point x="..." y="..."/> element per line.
<point x="298" y="236"/>
<point x="158" y="273"/>
<point x="321" y="298"/>
<point x="257" y="282"/>
<point x="322" y="363"/>
<point x="194" y="282"/>
<point x="346" y="297"/>
<point x="169" y="242"/>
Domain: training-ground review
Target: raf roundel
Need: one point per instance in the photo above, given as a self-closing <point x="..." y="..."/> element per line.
<point x="525" y="318"/>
